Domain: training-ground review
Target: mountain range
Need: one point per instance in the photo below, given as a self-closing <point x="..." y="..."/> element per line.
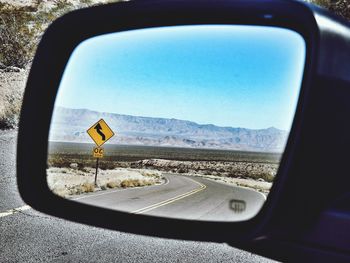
<point x="70" y="125"/>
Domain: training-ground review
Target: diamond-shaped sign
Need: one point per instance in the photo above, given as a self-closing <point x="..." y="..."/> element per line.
<point x="100" y="132"/>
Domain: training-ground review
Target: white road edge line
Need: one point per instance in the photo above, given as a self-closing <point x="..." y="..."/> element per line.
<point x="14" y="210"/>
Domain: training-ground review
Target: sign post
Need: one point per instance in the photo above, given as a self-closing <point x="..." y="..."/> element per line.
<point x="100" y="132"/>
<point x="97" y="153"/>
<point x="96" y="171"/>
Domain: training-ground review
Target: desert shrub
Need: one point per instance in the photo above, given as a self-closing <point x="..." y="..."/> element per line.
<point x="112" y="184"/>
<point x="182" y="170"/>
<point x="81" y="166"/>
<point x="107" y="165"/>
<point x="18" y="36"/>
<point x="136" y="182"/>
<point x="125" y="183"/>
<point x="146" y="183"/>
<point x="130" y="183"/>
<point x="20" y="31"/>
<point x="151" y="173"/>
<point x="9" y="115"/>
<point x="22" y="27"/>
<point x="340" y="7"/>
<point x="85" y="170"/>
<point x="44" y="17"/>
<point x="56" y="161"/>
<point x="83" y="162"/>
<point x="267" y="177"/>
<point x="251" y="175"/>
<point x="87" y="188"/>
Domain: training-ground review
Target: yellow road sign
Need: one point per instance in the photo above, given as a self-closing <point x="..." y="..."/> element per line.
<point x="100" y="132"/>
<point x="98" y="152"/>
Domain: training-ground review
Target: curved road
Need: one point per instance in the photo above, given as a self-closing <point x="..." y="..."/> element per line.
<point x="31" y="237"/>
<point x="183" y="197"/>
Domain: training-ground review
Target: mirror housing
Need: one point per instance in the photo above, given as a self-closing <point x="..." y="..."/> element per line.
<point x="291" y="208"/>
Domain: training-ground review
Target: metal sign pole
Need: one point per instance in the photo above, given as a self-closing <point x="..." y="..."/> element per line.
<point x="96" y="171"/>
<point x="100" y="132"/>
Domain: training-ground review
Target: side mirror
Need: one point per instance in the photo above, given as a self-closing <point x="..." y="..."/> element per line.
<point x="191" y="120"/>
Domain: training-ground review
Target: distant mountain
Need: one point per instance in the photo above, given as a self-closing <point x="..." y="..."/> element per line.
<point x="70" y="125"/>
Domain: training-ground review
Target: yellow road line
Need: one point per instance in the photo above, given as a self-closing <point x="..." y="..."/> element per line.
<point x="171" y="200"/>
<point x="14" y="211"/>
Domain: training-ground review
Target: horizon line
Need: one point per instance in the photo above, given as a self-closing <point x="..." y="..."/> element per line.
<point x="207" y="124"/>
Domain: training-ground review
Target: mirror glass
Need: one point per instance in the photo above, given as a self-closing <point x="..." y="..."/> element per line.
<point x="185" y="122"/>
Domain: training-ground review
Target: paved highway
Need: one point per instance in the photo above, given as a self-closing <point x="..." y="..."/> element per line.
<point x="30" y="236"/>
<point x="181" y="197"/>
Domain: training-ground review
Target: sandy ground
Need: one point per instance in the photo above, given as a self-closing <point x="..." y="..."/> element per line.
<point x="260" y="186"/>
<point x="238" y="169"/>
<point x="233" y="173"/>
<point x="69" y="181"/>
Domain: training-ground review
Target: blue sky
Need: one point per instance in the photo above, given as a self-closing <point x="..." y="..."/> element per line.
<point x="238" y="76"/>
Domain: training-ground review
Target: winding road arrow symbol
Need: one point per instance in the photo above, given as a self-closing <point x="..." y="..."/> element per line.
<point x="100" y="132"/>
<point x="98" y="129"/>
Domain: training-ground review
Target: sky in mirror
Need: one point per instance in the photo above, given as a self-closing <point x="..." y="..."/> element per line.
<point x="227" y="75"/>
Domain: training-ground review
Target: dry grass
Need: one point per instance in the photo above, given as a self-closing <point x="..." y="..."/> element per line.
<point x="112" y="184"/>
<point x="21" y="26"/>
<point x="73" y="181"/>
<point x="11" y="93"/>
<point x="81" y="188"/>
<point x="88" y="188"/>
<point x="135" y="183"/>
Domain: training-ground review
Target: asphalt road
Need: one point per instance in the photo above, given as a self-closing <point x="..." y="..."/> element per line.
<point x="182" y="197"/>
<point x="30" y="236"/>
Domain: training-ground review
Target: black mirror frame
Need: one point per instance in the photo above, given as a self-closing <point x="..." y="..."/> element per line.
<point x="52" y="55"/>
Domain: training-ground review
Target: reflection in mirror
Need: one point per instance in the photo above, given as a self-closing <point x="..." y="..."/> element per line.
<point x="186" y="122"/>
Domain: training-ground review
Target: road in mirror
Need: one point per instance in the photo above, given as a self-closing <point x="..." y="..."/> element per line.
<point x="186" y="122"/>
